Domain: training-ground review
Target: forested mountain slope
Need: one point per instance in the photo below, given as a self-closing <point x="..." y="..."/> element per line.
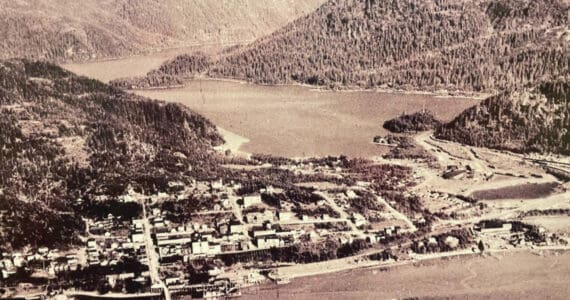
<point x="473" y="45"/>
<point x="64" y="137"/>
<point x="88" y="29"/>
<point x="527" y="120"/>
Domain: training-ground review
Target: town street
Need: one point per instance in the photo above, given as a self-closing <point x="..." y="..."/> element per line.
<point x="153" y="261"/>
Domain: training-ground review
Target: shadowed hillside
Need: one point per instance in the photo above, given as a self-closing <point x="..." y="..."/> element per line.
<point x="64" y="137"/>
<point x="527" y="120"/>
<point x="89" y="29"/>
<point x="466" y="45"/>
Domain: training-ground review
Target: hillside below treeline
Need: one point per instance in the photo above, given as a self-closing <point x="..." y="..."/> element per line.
<point x="64" y="137"/>
<point x="528" y="120"/>
<point x="464" y="45"/>
<point x="70" y="30"/>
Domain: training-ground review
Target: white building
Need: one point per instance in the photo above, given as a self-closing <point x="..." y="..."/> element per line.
<point x="137" y="237"/>
<point x="285" y="216"/>
<point x="259" y="233"/>
<point x="217" y="185"/>
<point x="267" y="242"/>
<point x="251" y="200"/>
<point x="234" y="229"/>
<point x="200" y="247"/>
<point x="215" y="248"/>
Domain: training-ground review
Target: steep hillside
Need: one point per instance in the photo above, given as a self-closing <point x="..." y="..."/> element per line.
<point x="87" y="29"/>
<point x="474" y="45"/>
<point x="64" y="137"/>
<point x="172" y="73"/>
<point x="528" y="120"/>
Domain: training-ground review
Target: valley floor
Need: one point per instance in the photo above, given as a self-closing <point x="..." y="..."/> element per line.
<point x="410" y="213"/>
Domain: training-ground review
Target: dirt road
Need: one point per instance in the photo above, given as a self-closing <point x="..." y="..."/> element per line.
<point x="153" y="260"/>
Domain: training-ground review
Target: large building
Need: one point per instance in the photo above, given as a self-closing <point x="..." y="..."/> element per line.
<point x="251" y="200"/>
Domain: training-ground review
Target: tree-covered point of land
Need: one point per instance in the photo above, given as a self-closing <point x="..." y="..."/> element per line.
<point x="416" y="122"/>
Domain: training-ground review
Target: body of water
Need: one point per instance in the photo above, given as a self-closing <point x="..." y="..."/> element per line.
<point x="297" y="121"/>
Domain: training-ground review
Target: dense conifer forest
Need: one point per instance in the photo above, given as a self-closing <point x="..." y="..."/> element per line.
<point x="172" y="73"/>
<point x="420" y="121"/>
<point x="500" y="47"/>
<point x="64" y="138"/>
<point x="529" y="120"/>
<point x="428" y="45"/>
<point x="466" y="45"/>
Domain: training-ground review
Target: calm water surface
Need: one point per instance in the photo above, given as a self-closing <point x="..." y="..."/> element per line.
<point x="292" y="121"/>
<point x="296" y="121"/>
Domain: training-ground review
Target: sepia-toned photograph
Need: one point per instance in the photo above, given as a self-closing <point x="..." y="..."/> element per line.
<point x="284" y="149"/>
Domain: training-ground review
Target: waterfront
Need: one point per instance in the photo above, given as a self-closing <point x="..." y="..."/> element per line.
<point x="508" y="275"/>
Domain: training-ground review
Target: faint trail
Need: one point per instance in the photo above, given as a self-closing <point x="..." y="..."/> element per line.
<point x="473" y="275"/>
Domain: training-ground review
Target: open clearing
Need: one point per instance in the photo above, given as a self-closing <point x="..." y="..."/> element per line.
<point x="502" y="276"/>
<point x="559" y="224"/>
<point x="295" y="121"/>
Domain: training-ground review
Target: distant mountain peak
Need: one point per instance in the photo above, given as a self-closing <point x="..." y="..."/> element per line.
<point x="93" y="29"/>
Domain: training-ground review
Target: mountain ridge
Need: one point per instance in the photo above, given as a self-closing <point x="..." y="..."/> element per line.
<point x="64" y="30"/>
<point x="430" y="45"/>
<point x="469" y="46"/>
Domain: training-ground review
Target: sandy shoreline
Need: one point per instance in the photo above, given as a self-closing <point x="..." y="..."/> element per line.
<point x="233" y="142"/>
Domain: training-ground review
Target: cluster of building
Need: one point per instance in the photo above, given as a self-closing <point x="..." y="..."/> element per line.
<point x="109" y="249"/>
<point x="108" y="241"/>
<point x="518" y="234"/>
<point x="49" y="261"/>
<point x="384" y="235"/>
<point x="223" y="235"/>
<point x="244" y="224"/>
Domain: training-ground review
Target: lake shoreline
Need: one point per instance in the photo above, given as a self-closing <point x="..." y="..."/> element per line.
<point x="314" y="88"/>
<point x="297" y="122"/>
<point x="233" y="142"/>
